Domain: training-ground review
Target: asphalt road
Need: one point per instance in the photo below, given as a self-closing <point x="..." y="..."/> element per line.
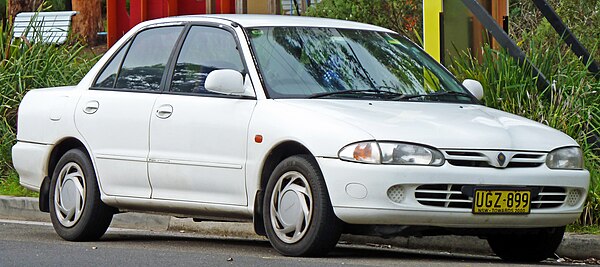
<point x="36" y="244"/>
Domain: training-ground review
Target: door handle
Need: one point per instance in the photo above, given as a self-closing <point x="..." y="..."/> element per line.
<point x="91" y="107"/>
<point x="164" y="111"/>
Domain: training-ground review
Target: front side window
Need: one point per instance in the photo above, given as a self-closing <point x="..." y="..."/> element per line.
<point x="303" y="62"/>
<point x="205" y="49"/>
<point x="144" y="65"/>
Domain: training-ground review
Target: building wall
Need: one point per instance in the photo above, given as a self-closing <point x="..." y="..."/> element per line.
<point x="449" y="27"/>
<point x="120" y="21"/>
<point x="258" y="6"/>
<point x="457" y="21"/>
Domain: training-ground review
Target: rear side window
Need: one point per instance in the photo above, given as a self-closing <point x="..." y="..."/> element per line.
<point x="143" y="65"/>
<point x="109" y="75"/>
<point x="205" y="49"/>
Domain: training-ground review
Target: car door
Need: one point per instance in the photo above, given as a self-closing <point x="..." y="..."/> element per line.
<point x="198" y="139"/>
<point x="113" y="116"/>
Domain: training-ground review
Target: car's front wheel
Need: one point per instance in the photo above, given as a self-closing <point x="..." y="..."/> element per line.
<point x="297" y="212"/>
<point x="535" y="246"/>
<point x="76" y="211"/>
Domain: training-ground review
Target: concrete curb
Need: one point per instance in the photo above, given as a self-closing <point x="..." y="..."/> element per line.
<point x="574" y="246"/>
<point x="26" y="208"/>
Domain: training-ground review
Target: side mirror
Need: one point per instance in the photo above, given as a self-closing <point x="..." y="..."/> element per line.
<point x="474" y="87"/>
<point x="225" y="81"/>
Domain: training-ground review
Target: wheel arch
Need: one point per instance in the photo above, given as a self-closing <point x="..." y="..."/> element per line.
<point x="278" y="153"/>
<point x="58" y="150"/>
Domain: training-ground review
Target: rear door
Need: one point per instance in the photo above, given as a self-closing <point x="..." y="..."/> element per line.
<point x="114" y="115"/>
<point x="198" y="139"/>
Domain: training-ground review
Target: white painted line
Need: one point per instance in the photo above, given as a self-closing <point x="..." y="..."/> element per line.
<point x="113" y="229"/>
<point x="26" y="222"/>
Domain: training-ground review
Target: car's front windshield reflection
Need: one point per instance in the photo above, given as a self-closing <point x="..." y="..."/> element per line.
<point x="302" y="62"/>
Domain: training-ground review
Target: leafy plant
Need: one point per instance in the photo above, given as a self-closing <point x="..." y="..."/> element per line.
<point x="50" y="5"/>
<point x="581" y="16"/>
<point x="27" y="64"/>
<point x="402" y="16"/>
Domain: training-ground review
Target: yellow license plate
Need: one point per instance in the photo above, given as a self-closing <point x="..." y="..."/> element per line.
<point x="501" y="201"/>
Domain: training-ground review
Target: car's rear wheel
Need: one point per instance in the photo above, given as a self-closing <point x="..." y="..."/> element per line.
<point x="297" y="212"/>
<point x="527" y="247"/>
<point x="76" y="211"/>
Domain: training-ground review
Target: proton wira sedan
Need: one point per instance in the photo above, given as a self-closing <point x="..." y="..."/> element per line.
<point x="306" y="127"/>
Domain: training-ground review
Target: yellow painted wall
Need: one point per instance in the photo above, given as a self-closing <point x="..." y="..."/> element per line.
<point x="258" y="7"/>
<point x="457" y="29"/>
<point x="431" y="27"/>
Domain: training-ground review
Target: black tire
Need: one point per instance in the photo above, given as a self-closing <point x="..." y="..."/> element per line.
<point x="527" y="247"/>
<point x="323" y="230"/>
<point x="76" y="211"/>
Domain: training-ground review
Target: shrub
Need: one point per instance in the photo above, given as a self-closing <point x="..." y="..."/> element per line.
<point x="581" y="16"/>
<point x="25" y="65"/>
<point x="402" y="16"/>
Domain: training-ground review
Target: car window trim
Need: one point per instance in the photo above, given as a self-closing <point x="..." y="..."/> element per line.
<point x="168" y="74"/>
<point x="177" y="53"/>
<point x="215" y="95"/>
<point x="124" y="90"/>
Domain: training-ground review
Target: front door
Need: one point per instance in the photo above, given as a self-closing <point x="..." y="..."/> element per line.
<point x="198" y="139"/>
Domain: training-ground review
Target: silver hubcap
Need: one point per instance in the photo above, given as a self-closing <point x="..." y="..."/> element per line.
<point x="291" y="207"/>
<point x="69" y="194"/>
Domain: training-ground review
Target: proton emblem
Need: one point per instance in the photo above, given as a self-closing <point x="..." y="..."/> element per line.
<point x="501" y="159"/>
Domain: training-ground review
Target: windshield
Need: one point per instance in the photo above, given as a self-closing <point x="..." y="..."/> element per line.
<point x="302" y="62"/>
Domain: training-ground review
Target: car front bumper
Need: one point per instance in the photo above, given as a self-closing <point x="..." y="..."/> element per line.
<point x="386" y="194"/>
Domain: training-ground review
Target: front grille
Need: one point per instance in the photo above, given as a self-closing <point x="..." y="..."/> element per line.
<point x="450" y="196"/>
<point x="490" y="159"/>
<point x="442" y="195"/>
<point x="549" y="197"/>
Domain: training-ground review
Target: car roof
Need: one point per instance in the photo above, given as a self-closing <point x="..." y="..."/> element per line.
<point x="250" y="20"/>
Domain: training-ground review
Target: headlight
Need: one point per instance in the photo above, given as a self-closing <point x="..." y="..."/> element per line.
<point x="409" y="154"/>
<point x="392" y="153"/>
<point x="565" y="158"/>
<point x="366" y="152"/>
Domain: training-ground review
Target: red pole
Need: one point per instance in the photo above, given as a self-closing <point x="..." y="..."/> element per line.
<point x="227" y="7"/>
<point x="172" y="8"/>
<point x="111" y="21"/>
<point x="224" y="6"/>
<point x="144" y="10"/>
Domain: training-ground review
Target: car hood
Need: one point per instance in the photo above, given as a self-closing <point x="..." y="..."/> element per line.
<point x="441" y="125"/>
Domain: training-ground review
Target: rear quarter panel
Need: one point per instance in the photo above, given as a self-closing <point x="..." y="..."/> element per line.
<point x="46" y="115"/>
<point x="45" y="118"/>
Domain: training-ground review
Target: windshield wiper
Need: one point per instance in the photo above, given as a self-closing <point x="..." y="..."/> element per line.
<point x="436" y="94"/>
<point x="370" y="92"/>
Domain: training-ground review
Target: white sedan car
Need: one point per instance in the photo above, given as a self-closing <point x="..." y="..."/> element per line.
<point x="307" y="127"/>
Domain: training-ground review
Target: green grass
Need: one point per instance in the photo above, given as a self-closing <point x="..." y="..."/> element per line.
<point x="584" y="229"/>
<point x="9" y="186"/>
